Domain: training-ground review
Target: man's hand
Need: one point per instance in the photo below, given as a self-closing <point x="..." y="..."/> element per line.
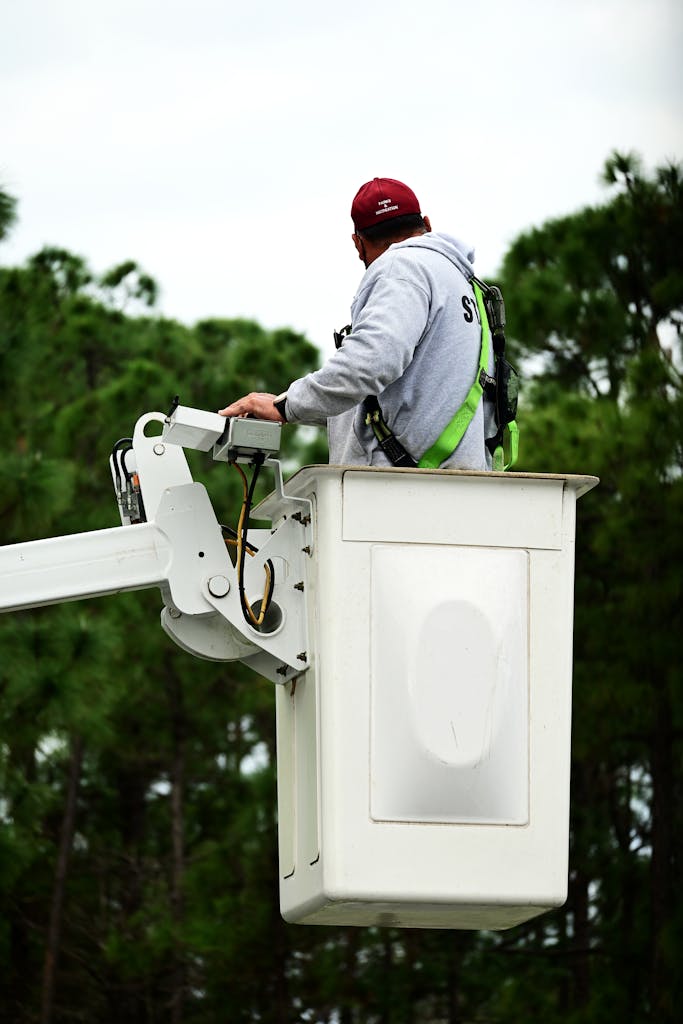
<point x="257" y="404"/>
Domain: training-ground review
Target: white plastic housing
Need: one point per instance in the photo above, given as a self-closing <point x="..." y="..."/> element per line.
<point x="423" y="758"/>
<point x="194" y="428"/>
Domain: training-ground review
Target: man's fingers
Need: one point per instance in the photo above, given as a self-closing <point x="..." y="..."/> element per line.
<point x="256" y="404"/>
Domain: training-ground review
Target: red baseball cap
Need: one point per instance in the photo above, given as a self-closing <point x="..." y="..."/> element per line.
<point x="380" y="200"/>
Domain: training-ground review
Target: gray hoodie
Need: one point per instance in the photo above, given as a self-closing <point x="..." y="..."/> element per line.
<point x="415" y="344"/>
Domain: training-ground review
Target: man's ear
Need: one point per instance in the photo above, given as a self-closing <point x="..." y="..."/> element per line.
<point x="360" y="247"/>
<point x="427" y="223"/>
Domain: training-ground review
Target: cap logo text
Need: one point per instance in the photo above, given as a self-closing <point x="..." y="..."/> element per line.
<point x="385" y="206"/>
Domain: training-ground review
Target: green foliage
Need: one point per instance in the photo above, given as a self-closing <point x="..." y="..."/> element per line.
<point x="8" y="207"/>
<point x="147" y="918"/>
<point x="596" y="300"/>
<point x="590" y="292"/>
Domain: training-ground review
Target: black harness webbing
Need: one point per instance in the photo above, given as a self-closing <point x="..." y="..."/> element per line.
<point x="388" y="442"/>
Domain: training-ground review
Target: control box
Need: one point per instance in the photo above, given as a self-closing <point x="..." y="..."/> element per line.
<point x="230" y="440"/>
<point x="245" y="438"/>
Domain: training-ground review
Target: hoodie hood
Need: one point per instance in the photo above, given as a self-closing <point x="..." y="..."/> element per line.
<point x="458" y="252"/>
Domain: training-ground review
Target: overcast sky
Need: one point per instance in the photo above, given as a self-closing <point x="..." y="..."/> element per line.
<point x="220" y="144"/>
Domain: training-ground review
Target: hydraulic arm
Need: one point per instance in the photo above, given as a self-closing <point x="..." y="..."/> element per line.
<point x="251" y="609"/>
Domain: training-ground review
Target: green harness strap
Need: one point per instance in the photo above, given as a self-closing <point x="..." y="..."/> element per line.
<point x="499" y="462"/>
<point x="454" y="432"/>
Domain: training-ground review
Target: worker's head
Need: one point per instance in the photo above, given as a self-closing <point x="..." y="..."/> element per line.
<point x="384" y="211"/>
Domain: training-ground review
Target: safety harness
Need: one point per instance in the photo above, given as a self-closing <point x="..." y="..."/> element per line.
<point x="501" y="390"/>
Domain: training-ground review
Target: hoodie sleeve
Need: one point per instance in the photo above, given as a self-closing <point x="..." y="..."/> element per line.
<point x="390" y="316"/>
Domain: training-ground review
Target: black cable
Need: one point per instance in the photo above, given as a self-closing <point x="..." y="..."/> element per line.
<point x="128" y="441"/>
<point x="259" y="459"/>
<point x="242" y="550"/>
<point x="126" y="472"/>
<point x="228" y="532"/>
<point x="118" y="457"/>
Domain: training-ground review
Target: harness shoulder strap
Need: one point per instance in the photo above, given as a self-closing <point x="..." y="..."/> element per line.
<point x="453" y="434"/>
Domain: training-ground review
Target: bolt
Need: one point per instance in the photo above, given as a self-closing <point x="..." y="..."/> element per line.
<point x="302" y="657"/>
<point x="307" y="549"/>
<point x="299" y="586"/>
<point x="300" y="518"/>
<point x="174" y="613"/>
<point x="219" y="586"/>
<point x="159" y="449"/>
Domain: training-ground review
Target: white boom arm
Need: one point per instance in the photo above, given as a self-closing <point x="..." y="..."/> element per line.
<point x="171" y="539"/>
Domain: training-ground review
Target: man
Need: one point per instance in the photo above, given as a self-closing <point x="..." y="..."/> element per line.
<point x="415" y="343"/>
